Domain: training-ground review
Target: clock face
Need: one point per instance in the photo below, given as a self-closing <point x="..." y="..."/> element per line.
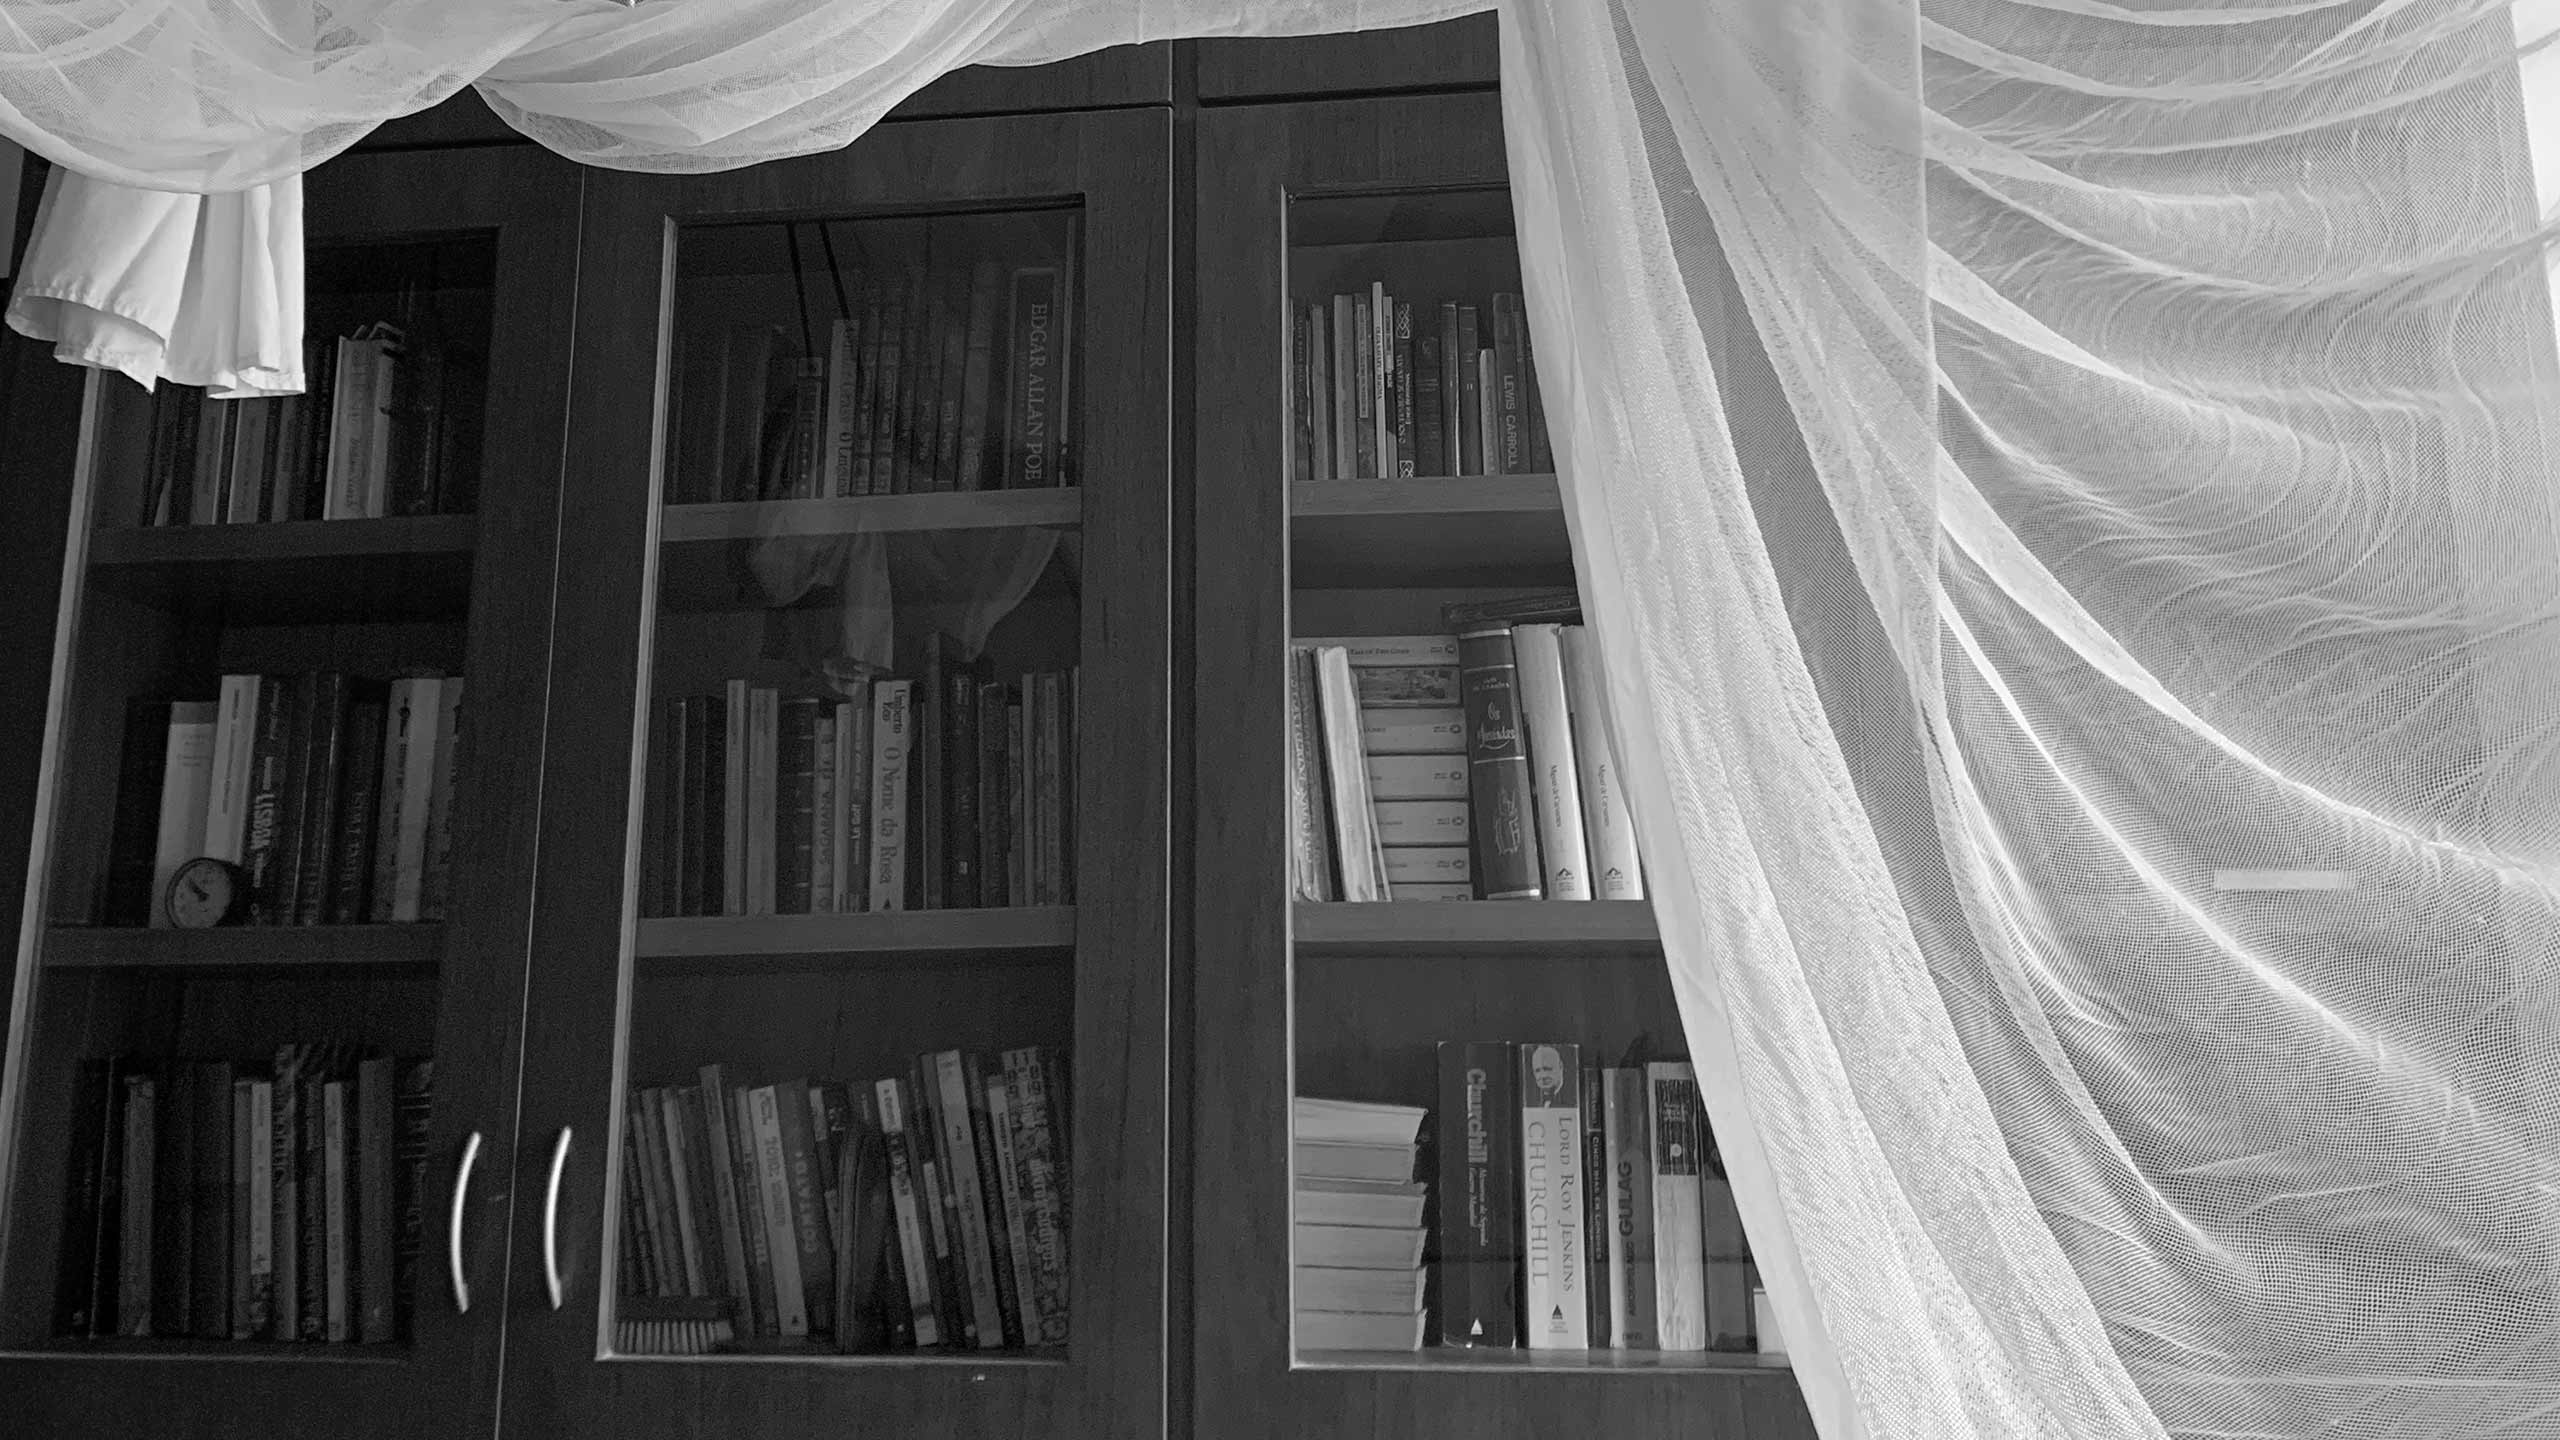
<point x="203" y="893"/>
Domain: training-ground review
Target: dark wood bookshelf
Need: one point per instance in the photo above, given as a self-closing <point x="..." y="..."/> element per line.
<point x="1461" y="530"/>
<point x="242" y="947"/>
<point x="1531" y="1362"/>
<point x="179" y="1347"/>
<point x="944" y="1361"/>
<point x="396" y="568"/>
<point x="1060" y="508"/>
<point x="888" y="932"/>
<point x="1477" y="927"/>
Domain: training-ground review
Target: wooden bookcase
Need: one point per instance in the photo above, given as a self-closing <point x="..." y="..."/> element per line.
<point x="1347" y="1001"/>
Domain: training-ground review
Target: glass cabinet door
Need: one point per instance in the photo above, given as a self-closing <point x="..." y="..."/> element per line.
<point x="849" y="1035"/>
<point x="261" y="1083"/>
<point x="1452" y="1069"/>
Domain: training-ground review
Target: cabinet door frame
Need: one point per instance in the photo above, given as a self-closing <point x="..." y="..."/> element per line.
<point x="444" y="1382"/>
<point x="1459" y="54"/>
<point x="1248" y="1384"/>
<point x="1116" y="164"/>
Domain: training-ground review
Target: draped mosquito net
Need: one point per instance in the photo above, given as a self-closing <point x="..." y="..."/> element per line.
<point x="2064" y="488"/>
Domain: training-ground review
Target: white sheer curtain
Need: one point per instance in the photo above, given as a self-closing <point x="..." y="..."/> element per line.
<point x="2064" y="487"/>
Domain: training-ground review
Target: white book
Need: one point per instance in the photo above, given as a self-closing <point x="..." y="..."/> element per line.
<point x="235" y="743"/>
<point x="1357" y="1330"/>
<point x="1608" y="830"/>
<point x="1428" y="865"/>
<point x="1554" y="1289"/>
<point x="1554" y="783"/>
<point x="1358" y="1247"/>
<point x="1433" y="892"/>
<point x="891" y="714"/>
<point x="1679" y="1239"/>
<point x="1391" y="649"/>
<point x="1355" y="1122"/>
<point x="427" y="718"/>
<point x="1331" y="1200"/>
<point x="1421" y="822"/>
<point x="1438" y="730"/>
<point x="1334" y="1287"/>
<point x="342" y="493"/>
<point x="733" y="802"/>
<point x="1351" y="1160"/>
<point x="1355" y="832"/>
<point x="764" y="777"/>
<point x="1415" y="777"/>
<point x="186" y="790"/>
<point x="384" y="373"/>
<point x="774" y="1186"/>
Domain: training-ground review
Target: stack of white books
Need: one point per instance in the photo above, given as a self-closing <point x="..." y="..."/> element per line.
<point x="1358" y="1228"/>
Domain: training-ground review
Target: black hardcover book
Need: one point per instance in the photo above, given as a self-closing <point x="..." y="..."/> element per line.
<point x="1596" y="1227"/>
<point x="209" y="1292"/>
<point x="1478" y="1233"/>
<point x="412" y="1118"/>
<point x="707" y="817"/>
<point x="172" y="1199"/>
<point x="323" y="777"/>
<point x="269" y="794"/>
<point x="1431" y="454"/>
<point x="662" y="803"/>
<point x="1499" y="786"/>
<point x="995" y="792"/>
<point x="75" y="1292"/>
<point x="795" y="804"/>
<point x="961" y="883"/>
<point x="349" y="854"/>
<point x="302" y="707"/>
<point x="991" y="1200"/>
<point x="133" y="845"/>
<point x="926" y="859"/>
<point x="871" y="1293"/>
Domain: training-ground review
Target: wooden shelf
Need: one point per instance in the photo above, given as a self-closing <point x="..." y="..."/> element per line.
<point x="954" y="1363"/>
<point x="1468" y="530"/>
<point x="873" y="514"/>
<point x="409" y="567"/>
<point x="1552" y="1362"/>
<point x="189" y="1348"/>
<point x="894" y="932"/>
<point x="242" y="947"/>
<point x="1476" y="927"/>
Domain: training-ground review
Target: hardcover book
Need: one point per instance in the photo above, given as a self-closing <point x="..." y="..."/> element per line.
<point x="1553" y="1264"/>
<point x="1477" y="1234"/>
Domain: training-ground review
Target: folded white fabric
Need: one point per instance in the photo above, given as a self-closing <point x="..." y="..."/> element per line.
<point x="201" y="289"/>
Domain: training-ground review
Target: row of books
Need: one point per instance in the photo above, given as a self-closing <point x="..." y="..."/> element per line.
<point x="1584" y="1207"/>
<point x="1357" y="1230"/>
<point x="1377" y="391"/>
<point x="949" y="790"/>
<point x="331" y="793"/>
<point x="1579" y="1207"/>
<point x="1456" y="767"/>
<point x="918" y="1211"/>
<point x="374" y="434"/>
<point x="934" y="380"/>
<point x="227" y="1201"/>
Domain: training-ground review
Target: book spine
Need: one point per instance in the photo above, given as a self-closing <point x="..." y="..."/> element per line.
<point x="1431" y="456"/>
<point x="960" y="1152"/>
<point x="339" y="1200"/>
<point x="853" y="787"/>
<point x="1301" y="424"/>
<point x="733" y="798"/>
<point x="425" y="829"/>
<point x="835" y="469"/>
<point x="269" y="759"/>
<point x="925" y="433"/>
<point x="1320" y="391"/>
<point x="211" y="1248"/>
<point x="323" y="777"/>
<point x="93" y="1107"/>
<point x="1479" y="1182"/>
<point x="1364" y="389"/>
<point x="1498" y="779"/>
<point x="802" y="1156"/>
<point x="1345" y="364"/>
<point x="960" y="781"/>
<point x="404" y="731"/>
<point x="140" y="1160"/>
<point x="1555" y="781"/>
<point x="1310" y="801"/>
<point x="720" y="1175"/>
<point x="929" y="800"/>
<point x="1408" y="438"/>
<point x="942" y="1220"/>
<point x="706" y="836"/>
<point x="991" y="812"/>
<point x="1382" y="377"/>
<point x="749" y="1179"/>
<point x="826" y="813"/>
<point x="773" y="1179"/>
<point x="1509" y="428"/>
<point x="795" y="859"/>
<point x="1597" y="1231"/>
<point x="412" y="1119"/>
<point x="764" y="779"/>
<point x="311" y="1264"/>
<point x="688" y="1203"/>
<point x="950" y="394"/>
<point x="257" y="1212"/>
<point x="991" y="1202"/>
<point x="1361" y="859"/>
<point x="915" y="1249"/>
<point x="378" y="1222"/>
<point x="235" y="748"/>
<point x="186" y="795"/>
<point x="141" y="772"/>
<point x="1680" y="1301"/>
<point x="1628" y="1130"/>
<point x="1470" y="387"/>
<point x="1040" y="1155"/>
<point x="1725" y="1248"/>
<point x="350" y="859"/>
<point x="1555" y="1310"/>
<point x="1439" y="730"/>
<point x="1022" y="1308"/>
<point x="1017" y="773"/>
<point x="1541" y="453"/>
<point x="891" y="714"/>
<point x="1608" y="829"/>
<point x="1032" y="391"/>
<point x="173" y="1203"/>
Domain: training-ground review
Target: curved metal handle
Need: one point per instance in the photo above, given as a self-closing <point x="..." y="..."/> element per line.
<point x="551" y="1218"/>
<point x="453" y="1224"/>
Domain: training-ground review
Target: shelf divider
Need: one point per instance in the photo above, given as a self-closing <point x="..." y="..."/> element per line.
<point x="1476" y="927"/>
<point x="1468" y="529"/>
<point x="236" y="947"/>
<point x="1007" y="928"/>
<point x="873" y="514"/>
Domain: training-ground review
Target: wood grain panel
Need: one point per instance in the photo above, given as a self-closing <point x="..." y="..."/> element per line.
<point x="1461" y="54"/>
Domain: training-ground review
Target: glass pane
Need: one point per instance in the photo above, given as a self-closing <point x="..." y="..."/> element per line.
<point x="231" y="1045"/>
<point x="846" y="1125"/>
<point x="1513" y="1058"/>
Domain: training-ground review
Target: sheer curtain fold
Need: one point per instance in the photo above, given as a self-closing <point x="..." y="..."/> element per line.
<point x="2065" y="491"/>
